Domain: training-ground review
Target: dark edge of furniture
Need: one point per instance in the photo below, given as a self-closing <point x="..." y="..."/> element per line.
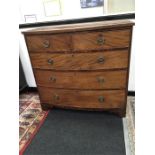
<point x="79" y="20"/>
<point x="131" y="93"/>
<point x="34" y="89"/>
<point x="22" y="80"/>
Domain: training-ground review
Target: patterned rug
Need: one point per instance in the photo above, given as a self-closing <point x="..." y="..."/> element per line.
<point x="31" y="118"/>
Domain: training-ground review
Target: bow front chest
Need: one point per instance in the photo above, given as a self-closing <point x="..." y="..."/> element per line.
<point x="82" y="66"/>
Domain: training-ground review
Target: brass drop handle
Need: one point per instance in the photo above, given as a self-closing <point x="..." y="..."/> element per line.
<point x="53" y="79"/>
<point x="100" y="40"/>
<point x="46" y="43"/>
<point x="100" y="60"/>
<point x="101" y="99"/>
<point x="56" y="97"/>
<point x="50" y="61"/>
<point x="100" y="79"/>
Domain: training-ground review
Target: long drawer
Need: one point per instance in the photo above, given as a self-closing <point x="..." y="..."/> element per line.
<point x="83" y="99"/>
<point x="82" y="80"/>
<point x="101" y="40"/>
<point x="81" y="61"/>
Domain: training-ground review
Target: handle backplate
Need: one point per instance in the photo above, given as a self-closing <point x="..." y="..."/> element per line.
<point x="50" y="61"/>
<point x="101" y="99"/>
<point x="100" y="79"/>
<point x="100" y="60"/>
<point x="53" y="79"/>
<point x="100" y="40"/>
<point x="46" y="43"/>
<point x="56" y="97"/>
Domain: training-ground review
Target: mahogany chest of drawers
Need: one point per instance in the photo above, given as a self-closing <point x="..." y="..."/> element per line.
<point x="82" y="66"/>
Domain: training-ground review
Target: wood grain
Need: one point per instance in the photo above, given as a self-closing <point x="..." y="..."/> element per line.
<point x="59" y="42"/>
<point x="81" y="61"/>
<point x="75" y="64"/>
<point x="111" y="40"/>
<point x="112" y="24"/>
<point x="83" y="98"/>
<point x="82" y="80"/>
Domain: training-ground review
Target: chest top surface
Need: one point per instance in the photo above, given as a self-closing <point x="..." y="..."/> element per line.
<point x="80" y="27"/>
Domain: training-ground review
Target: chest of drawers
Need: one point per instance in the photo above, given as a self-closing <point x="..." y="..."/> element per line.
<point x="82" y="66"/>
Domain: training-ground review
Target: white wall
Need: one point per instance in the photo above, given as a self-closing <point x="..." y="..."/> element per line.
<point x="25" y="60"/>
<point x="70" y="10"/>
<point x="132" y="64"/>
<point x="120" y="6"/>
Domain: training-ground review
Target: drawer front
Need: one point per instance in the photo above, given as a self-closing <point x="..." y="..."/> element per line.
<point x="81" y="61"/>
<point x="101" y="40"/>
<point x="82" y="80"/>
<point x="84" y="98"/>
<point x="42" y="43"/>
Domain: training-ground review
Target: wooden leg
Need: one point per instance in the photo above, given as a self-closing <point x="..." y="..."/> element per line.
<point x="46" y="107"/>
<point x="122" y="113"/>
<point x="119" y="112"/>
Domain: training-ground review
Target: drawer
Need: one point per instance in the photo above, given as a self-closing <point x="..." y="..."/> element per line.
<point x="80" y="61"/>
<point x="42" y="43"/>
<point x="84" y="98"/>
<point x="81" y="80"/>
<point x="101" y="40"/>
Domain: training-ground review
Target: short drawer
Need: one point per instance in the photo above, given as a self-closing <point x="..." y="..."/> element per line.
<point x="83" y="98"/>
<point x="42" y="43"/>
<point x="101" y="40"/>
<point x="81" y="61"/>
<point x="82" y="80"/>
